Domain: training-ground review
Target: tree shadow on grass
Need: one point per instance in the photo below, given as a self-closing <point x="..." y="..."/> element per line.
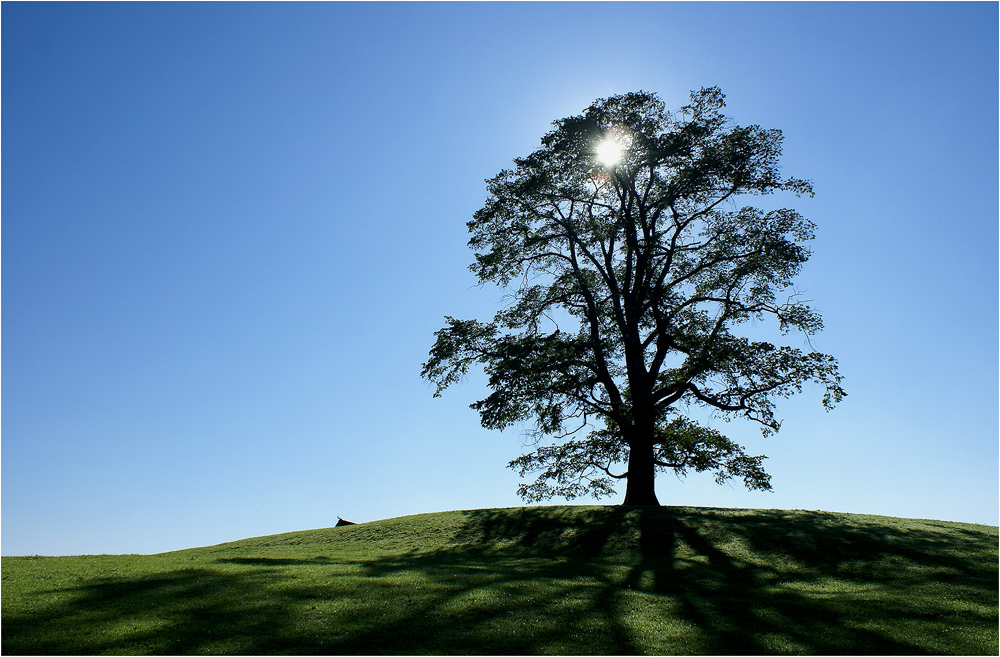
<point x="824" y="584"/>
<point x="606" y="580"/>
<point x="752" y="583"/>
<point x="187" y="611"/>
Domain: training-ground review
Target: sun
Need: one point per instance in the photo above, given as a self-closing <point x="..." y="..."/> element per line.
<point x="609" y="152"/>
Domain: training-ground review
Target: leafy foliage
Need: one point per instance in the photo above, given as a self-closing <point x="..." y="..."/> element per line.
<point x="653" y="263"/>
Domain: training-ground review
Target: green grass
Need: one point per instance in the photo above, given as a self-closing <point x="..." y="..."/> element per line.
<point x="539" y="580"/>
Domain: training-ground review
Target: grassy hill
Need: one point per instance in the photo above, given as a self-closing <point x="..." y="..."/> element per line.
<point x="539" y="580"/>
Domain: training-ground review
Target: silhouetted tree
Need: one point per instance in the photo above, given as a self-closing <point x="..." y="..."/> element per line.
<point x="625" y="228"/>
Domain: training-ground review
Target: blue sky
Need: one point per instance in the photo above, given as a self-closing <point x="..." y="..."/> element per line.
<point x="230" y="230"/>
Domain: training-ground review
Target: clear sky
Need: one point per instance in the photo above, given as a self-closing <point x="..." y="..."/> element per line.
<point x="230" y="230"/>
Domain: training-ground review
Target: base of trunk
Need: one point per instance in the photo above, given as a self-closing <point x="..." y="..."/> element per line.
<point x="640" y="493"/>
<point x="641" y="500"/>
<point x="640" y="488"/>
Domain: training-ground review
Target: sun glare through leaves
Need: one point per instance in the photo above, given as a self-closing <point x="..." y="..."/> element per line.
<point x="609" y="152"/>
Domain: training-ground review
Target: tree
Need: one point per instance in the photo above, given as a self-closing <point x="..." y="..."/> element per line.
<point x="625" y="228"/>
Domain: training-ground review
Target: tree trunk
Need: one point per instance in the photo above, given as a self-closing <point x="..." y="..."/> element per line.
<point x="640" y="488"/>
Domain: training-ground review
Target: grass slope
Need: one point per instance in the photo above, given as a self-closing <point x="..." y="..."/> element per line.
<point x="583" y="580"/>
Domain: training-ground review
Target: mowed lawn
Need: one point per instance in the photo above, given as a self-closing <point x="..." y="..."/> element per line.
<point x="538" y="580"/>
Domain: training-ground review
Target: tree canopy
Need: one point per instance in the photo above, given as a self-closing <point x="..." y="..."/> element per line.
<point x="629" y="262"/>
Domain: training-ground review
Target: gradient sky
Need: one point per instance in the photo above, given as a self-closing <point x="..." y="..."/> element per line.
<point x="230" y="230"/>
